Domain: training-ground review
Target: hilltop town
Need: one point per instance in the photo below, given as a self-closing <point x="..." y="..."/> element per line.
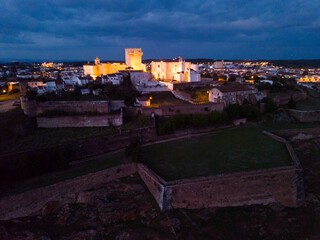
<point x="168" y="146"/>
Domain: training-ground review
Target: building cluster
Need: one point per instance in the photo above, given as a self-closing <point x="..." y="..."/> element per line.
<point x="157" y="76"/>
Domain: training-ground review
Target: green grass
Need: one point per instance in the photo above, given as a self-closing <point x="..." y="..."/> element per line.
<point x="6" y="97"/>
<point x="163" y="99"/>
<point x="241" y="149"/>
<point x="93" y="164"/>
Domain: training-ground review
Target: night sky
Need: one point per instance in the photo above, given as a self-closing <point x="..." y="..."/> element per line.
<point x="220" y="29"/>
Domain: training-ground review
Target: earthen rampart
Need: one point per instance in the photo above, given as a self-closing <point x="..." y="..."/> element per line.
<point x="23" y="204"/>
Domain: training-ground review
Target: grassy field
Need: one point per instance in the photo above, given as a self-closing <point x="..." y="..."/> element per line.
<point x="163" y="99"/>
<point x="229" y="151"/>
<point x="6" y="97"/>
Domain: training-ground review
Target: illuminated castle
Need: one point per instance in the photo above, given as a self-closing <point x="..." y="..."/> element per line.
<point x="133" y="62"/>
<point x="176" y="69"/>
<point x="133" y="59"/>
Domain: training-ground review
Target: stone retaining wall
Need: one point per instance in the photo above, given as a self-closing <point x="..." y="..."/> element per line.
<point x="154" y="183"/>
<point x="237" y="189"/>
<point x="32" y="108"/>
<point x="80" y="121"/>
<point x="203" y="108"/>
<point x="305" y="116"/>
<point x="283" y="99"/>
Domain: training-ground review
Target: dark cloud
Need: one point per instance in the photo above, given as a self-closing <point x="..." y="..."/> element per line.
<point x="70" y="29"/>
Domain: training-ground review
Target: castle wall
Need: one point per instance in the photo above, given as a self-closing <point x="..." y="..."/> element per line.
<point x="171" y="110"/>
<point x="154" y="183"/>
<point x="246" y="188"/>
<point x="80" y="121"/>
<point x="306" y="116"/>
<point x="283" y="99"/>
<point x="32" y="108"/>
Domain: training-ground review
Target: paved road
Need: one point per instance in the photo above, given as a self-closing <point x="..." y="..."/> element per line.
<point x="6" y="105"/>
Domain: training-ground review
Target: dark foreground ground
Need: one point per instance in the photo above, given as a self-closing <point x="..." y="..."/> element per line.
<point x="124" y="209"/>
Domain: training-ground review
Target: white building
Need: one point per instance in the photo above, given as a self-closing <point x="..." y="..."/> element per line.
<point x="114" y="78"/>
<point x="33" y="84"/>
<point x="230" y="94"/>
<point x="143" y="101"/>
<point x="139" y="77"/>
<point x="219" y="65"/>
<point x="177" y="69"/>
<point x="51" y="86"/>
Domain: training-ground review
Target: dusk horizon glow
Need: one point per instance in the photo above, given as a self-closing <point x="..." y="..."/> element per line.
<point x="81" y="30"/>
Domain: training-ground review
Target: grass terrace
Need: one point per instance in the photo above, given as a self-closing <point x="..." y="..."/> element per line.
<point x="241" y="149"/>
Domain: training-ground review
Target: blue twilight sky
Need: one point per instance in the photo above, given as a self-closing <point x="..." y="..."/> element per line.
<point x="221" y="29"/>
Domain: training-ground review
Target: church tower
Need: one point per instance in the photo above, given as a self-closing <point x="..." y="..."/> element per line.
<point x="97" y="61"/>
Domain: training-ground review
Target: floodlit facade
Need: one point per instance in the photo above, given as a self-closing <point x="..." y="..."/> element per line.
<point x="99" y="68"/>
<point x="134" y="59"/>
<point x="219" y="65"/>
<point x="310" y="78"/>
<point x="178" y="70"/>
<point x="133" y="62"/>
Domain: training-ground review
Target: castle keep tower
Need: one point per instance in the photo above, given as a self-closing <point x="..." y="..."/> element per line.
<point x="133" y="59"/>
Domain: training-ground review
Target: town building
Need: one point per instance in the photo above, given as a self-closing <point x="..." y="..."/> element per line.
<point x="310" y="78"/>
<point x="143" y="101"/>
<point x="230" y="94"/>
<point x="219" y="65"/>
<point x="114" y="78"/>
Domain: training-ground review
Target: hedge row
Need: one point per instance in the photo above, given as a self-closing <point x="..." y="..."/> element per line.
<point x="180" y="121"/>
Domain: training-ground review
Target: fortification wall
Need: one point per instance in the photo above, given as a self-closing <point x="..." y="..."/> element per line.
<point x="74" y="106"/>
<point x="171" y="110"/>
<point x="80" y="121"/>
<point x="29" y="107"/>
<point x="32" y="108"/>
<point x="23" y="204"/>
<point x="154" y="183"/>
<point x="285" y="98"/>
<point x="115" y="105"/>
<point x="245" y="188"/>
<point x="204" y="108"/>
<point x="281" y="185"/>
<point x="306" y="116"/>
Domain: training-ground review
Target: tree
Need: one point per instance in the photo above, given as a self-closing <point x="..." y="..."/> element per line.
<point x="232" y="78"/>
